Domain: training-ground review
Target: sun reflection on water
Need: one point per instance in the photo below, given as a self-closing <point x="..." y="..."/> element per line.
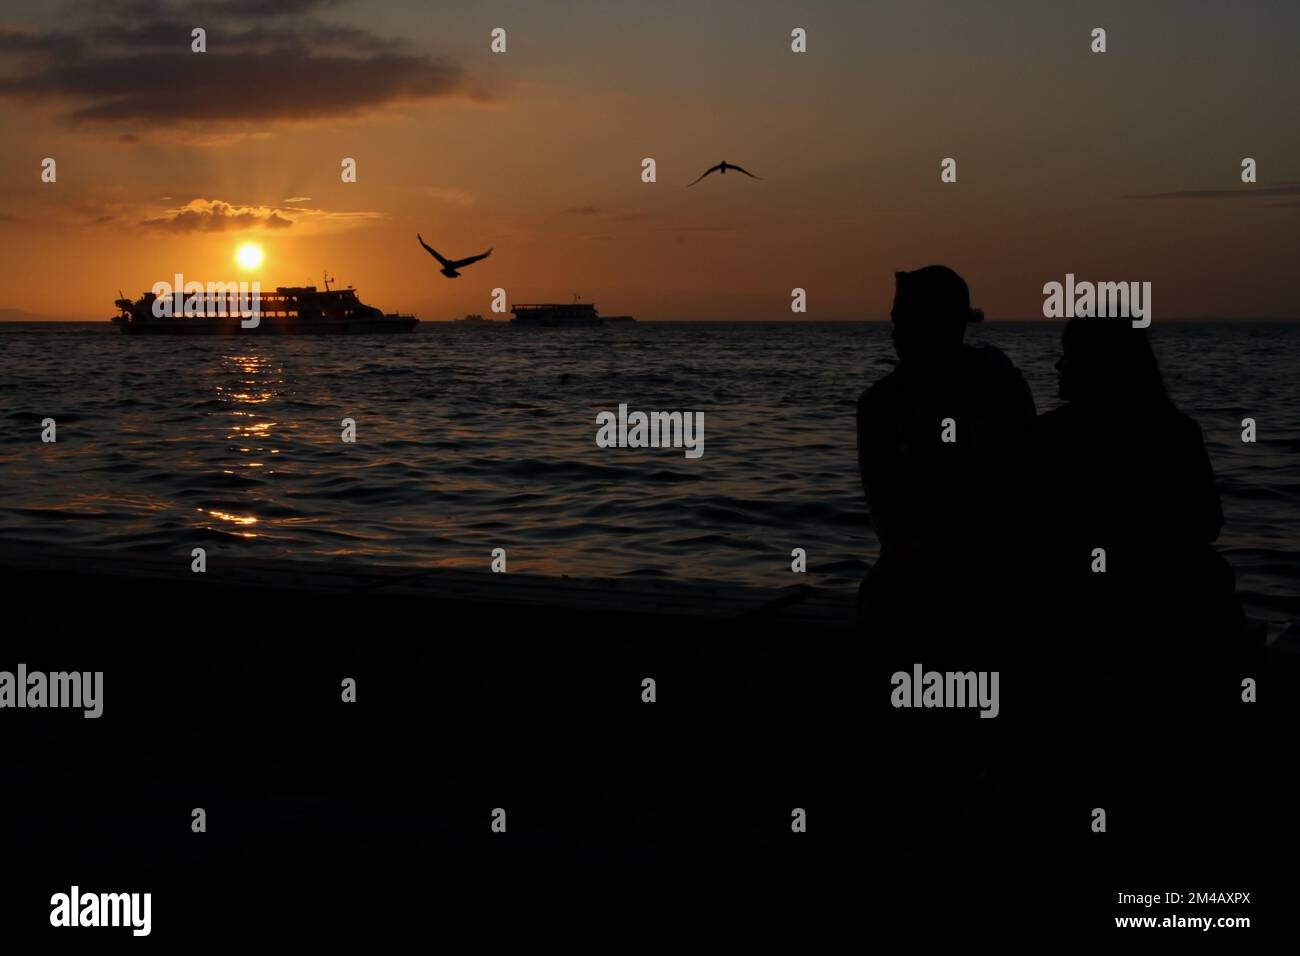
<point x="239" y="521"/>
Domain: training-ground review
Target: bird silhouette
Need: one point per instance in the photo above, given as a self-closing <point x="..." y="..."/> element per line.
<point x="449" y="266"/>
<point x="722" y="167"/>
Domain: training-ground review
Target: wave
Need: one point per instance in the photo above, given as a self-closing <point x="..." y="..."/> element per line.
<point x="468" y="442"/>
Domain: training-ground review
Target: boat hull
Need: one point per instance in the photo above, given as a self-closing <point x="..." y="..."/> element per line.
<point x="267" y="326"/>
<point x="557" y="323"/>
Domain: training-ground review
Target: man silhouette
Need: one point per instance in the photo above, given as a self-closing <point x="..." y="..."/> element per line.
<point x="939" y="442"/>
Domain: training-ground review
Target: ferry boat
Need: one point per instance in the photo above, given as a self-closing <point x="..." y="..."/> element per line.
<point x="574" y="314"/>
<point x="290" y="310"/>
<point x="473" y="319"/>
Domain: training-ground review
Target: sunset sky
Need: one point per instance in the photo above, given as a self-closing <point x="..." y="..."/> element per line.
<point x="1116" y="166"/>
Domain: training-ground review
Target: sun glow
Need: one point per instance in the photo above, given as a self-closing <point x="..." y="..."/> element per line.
<point x="249" y="255"/>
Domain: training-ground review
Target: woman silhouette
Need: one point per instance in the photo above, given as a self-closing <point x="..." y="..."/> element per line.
<point x="1130" y="497"/>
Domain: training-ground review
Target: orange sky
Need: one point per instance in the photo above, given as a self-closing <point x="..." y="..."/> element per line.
<point x="537" y="152"/>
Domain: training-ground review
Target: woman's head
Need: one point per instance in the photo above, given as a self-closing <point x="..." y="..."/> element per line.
<point x="1109" y="362"/>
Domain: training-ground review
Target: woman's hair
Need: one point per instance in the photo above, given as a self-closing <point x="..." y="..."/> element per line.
<point x="1110" y="361"/>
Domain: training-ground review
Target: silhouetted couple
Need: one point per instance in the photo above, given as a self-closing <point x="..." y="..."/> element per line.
<point x="1093" y="520"/>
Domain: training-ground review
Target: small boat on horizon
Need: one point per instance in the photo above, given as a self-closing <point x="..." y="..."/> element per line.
<point x="561" y="315"/>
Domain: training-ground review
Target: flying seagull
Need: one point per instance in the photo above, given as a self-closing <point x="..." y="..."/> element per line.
<point x="449" y="266"/>
<point x="722" y="167"/>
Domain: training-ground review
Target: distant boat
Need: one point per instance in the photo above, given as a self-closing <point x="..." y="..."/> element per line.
<point x="290" y="310"/>
<point x="557" y="315"/>
<point x="473" y="318"/>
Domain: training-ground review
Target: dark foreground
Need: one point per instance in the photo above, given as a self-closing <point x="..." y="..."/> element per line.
<point x="626" y="820"/>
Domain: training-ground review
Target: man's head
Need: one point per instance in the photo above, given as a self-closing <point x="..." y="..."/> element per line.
<point x="931" y="309"/>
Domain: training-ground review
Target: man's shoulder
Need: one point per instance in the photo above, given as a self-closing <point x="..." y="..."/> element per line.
<point x="879" y="393"/>
<point x="989" y="359"/>
<point x="996" y="378"/>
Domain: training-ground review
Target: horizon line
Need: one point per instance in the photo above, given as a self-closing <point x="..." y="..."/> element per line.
<point x="986" y="321"/>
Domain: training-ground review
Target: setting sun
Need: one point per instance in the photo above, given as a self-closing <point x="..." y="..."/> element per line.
<point x="249" y="256"/>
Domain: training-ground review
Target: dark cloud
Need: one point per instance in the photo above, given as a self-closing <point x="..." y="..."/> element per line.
<point x="159" y="89"/>
<point x="303" y="39"/>
<point x="17" y="45"/>
<point x="124" y="10"/>
<point x="583" y="210"/>
<point x="1246" y="191"/>
<point x="132" y="63"/>
<point x="266" y="8"/>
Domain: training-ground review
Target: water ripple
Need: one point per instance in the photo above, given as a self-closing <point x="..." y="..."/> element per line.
<point x="472" y="439"/>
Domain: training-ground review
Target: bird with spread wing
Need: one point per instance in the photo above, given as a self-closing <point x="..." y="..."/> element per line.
<point x="449" y="266"/>
<point x="722" y="168"/>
